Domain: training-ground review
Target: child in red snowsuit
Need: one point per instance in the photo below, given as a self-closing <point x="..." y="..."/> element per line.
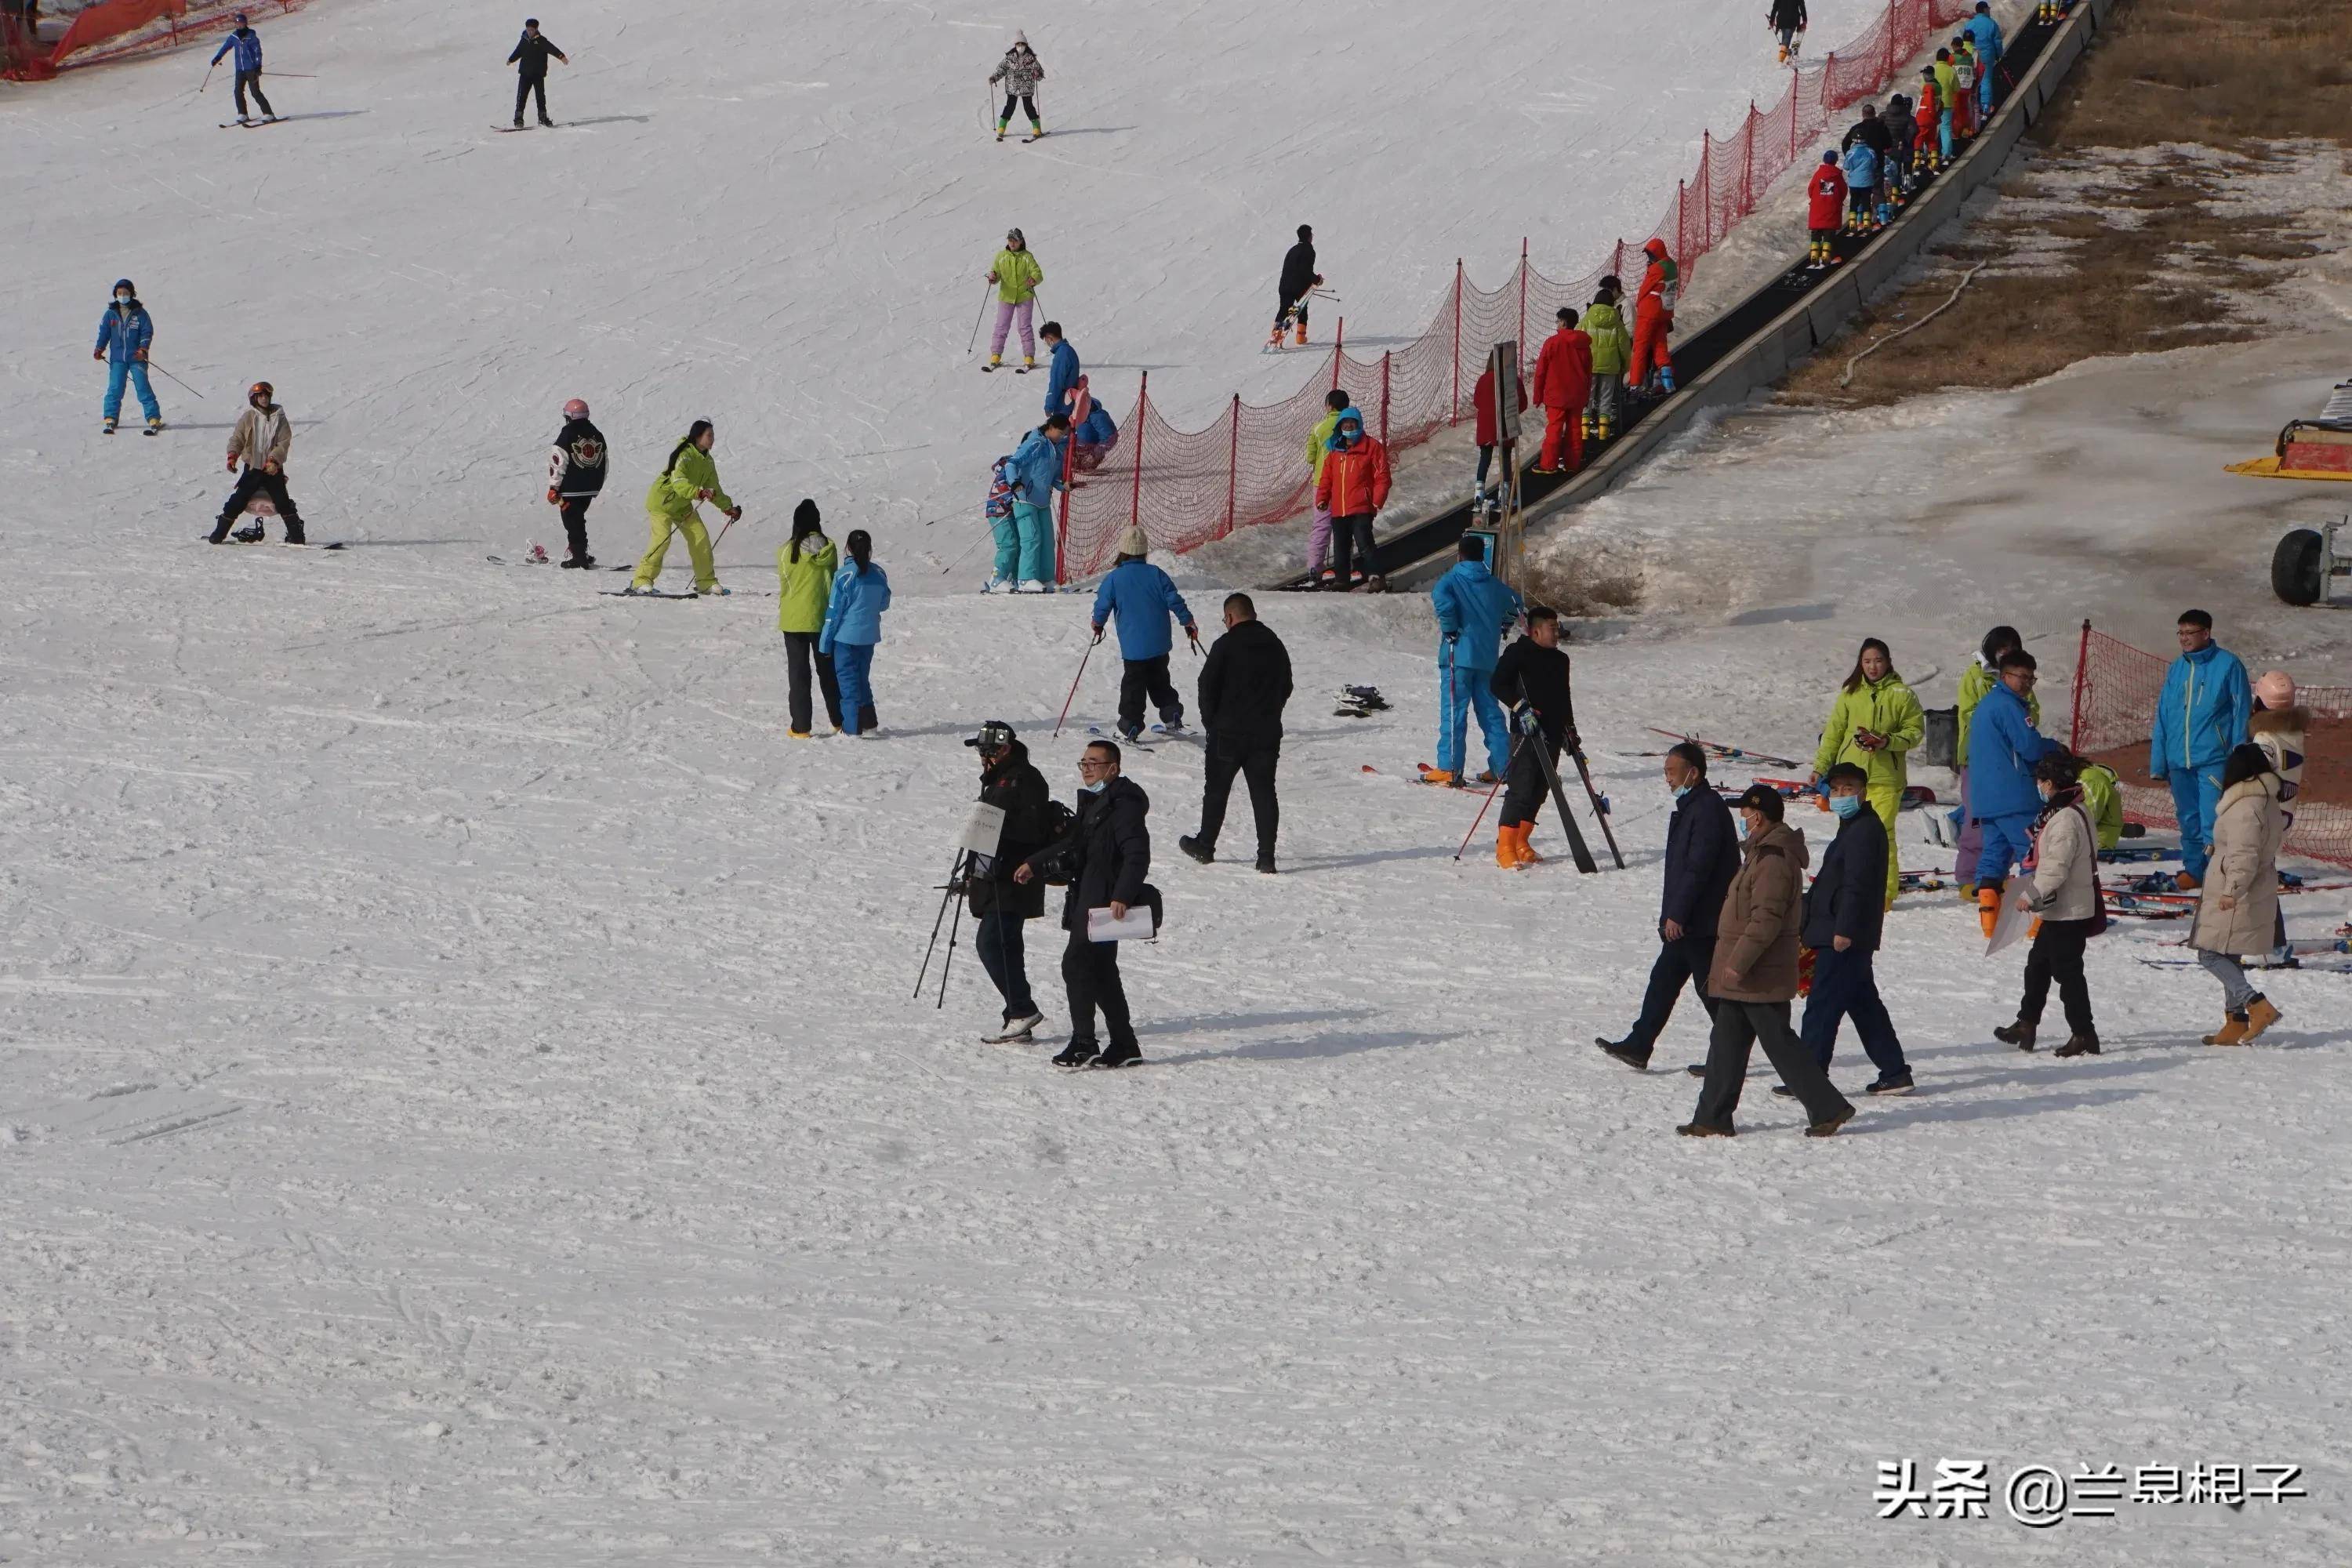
<point x="1929" y="119"/>
<point x="1563" y="382"/>
<point x="1825" y="209"/>
<point x="1654" y="319"/>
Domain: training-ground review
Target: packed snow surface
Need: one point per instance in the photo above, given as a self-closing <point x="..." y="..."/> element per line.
<point x="459" y="1096"/>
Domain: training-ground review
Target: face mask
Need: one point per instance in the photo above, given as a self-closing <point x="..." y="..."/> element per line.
<point x="122" y="299"/>
<point x="1747" y="828"/>
<point x="1681" y="790"/>
<point x="1096" y="787"/>
<point x="1845" y="806"/>
<point x="2046" y="792"/>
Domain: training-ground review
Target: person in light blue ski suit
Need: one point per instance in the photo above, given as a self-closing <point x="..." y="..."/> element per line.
<point x="2003" y="747"/>
<point x="852" y="627"/>
<point x="2200" y="718"/>
<point x="245" y="44"/>
<point x="124" y="333"/>
<point x="1861" y="186"/>
<point x="1984" y="37"/>
<point x="1061" y="373"/>
<point x="1474" y="609"/>
<point x="1024" y="539"/>
<point x="1145" y="600"/>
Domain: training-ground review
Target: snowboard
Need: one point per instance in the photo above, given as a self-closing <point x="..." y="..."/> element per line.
<point x="644" y="593"/>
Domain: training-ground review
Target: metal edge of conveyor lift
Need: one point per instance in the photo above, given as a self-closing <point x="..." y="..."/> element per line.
<point x="1782" y="309"/>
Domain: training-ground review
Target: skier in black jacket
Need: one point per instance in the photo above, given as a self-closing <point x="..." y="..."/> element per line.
<point x="1244" y="682"/>
<point x="532" y="52"/>
<point x="1870" y="129"/>
<point x="576" y="473"/>
<point x="1298" y="280"/>
<point x="1702" y="857"/>
<point x="1106" y="858"/>
<point x="1533" y="674"/>
<point x="1845" y="912"/>
<point x="1787" y="17"/>
<point x="1008" y="780"/>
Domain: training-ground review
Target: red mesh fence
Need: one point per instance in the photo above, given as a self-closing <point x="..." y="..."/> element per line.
<point x="2115" y="689"/>
<point x="1186" y="488"/>
<point x="122" y="29"/>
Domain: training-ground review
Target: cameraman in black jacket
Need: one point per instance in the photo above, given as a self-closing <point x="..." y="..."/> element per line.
<point x="1009" y="781"/>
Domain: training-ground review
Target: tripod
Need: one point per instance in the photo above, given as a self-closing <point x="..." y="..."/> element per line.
<point x="947" y="895"/>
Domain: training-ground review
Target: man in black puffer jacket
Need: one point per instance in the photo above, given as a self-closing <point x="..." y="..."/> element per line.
<point x="1845" y="912"/>
<point x="1002" y="906"/>
<point x="1106" y="858"/>
<point x="1702" y="857"/>
<point x="1244" y="682"/>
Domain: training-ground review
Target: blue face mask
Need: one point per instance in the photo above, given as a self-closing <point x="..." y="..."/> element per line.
<point x="1094" y="787"/>
<point x="1681" y="790"/>
<point x="2047" y="791"/>
<point x="1845" y="806"/>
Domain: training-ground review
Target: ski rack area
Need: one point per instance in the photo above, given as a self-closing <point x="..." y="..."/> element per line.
<point x="1756" y="343"/>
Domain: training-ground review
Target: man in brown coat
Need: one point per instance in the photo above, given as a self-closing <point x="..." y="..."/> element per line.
<point x="1755" y="977"/>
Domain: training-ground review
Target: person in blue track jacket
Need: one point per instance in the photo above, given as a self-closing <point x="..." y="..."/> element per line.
<point x="1474" y="608"/>
<point x="245" y="44"/>
<point x="1024" y="549"/>
<point x="2200" y="718"/>
<point x="124" y="333"/>
<point x="852" y="627"/>
<point x="1984" y="37"/>
<point x="1144" y="600"/>
<point x="2003" y="747"/>
<point x="1061" y="375"/>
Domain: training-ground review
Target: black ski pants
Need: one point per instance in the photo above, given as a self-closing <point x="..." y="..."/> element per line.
<point x="268" y="484"/>
<point x="1090" y="971"/>
<point x="1144" y="678"/>
<point x="1351" y="547"/>
<point x="1739" y="1026"/>
<point x="574" y="511"/>
<point x="1005" y="957"/>
<point x="1683" y="961"/>
<point x="1256" y="764"/>
<point x="1526" y="784"/>
<point x="800" y="652"/>
<point x="250" y="81"/>
<point x="1028" y="107"/>
<point x="524" y="88"/>
<point x="1289" y="308"/>
<point x="2057" y="954"/>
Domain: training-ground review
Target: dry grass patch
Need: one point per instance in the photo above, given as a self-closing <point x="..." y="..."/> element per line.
<point x="1582" y="588"/>
<point x="2215" y="72"/>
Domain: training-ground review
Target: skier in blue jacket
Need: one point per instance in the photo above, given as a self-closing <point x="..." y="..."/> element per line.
<point x="124" y="332"/>
<point x="1063" y="373"/>
<point x="1025" y="550"/>
<point x="1474" y="608"/>
<point x="1145" y="600"/>
<point x="1984" y="37"/>
<point x="2003" y="746"/>
<point x="1862" y="187"/>
<point x="2200" y="718"/>
<point x="245" y="44"/>
<point x="852" y="629"/>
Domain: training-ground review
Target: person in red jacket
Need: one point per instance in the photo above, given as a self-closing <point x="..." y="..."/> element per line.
<point x="1354" y="486"/>
<point x="1653" y="367"/>
<point x="1563" y="381"/>
<point x="1826" y="209"/>
<point x="1489" y="431"/>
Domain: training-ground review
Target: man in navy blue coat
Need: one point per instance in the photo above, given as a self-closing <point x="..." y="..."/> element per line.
<point x="1845" y="912"/>
<point x="1702" y="857"/>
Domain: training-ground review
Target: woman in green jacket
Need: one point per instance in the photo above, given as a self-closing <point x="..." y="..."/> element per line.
<point x="1874" y="722"/>
<point x="1613" y="348"/>
<point x="804" y="569"/>
<point x="687" y="477"/>
<point x="1016" y="274"/>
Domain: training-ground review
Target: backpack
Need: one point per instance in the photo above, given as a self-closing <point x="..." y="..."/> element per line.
<point x="1061" y="822"/>
<point x="1000" y="493"/>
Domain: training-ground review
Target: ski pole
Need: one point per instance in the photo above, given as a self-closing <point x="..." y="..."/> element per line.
<point x="949" y="892"/>
<point x="722" y="532"/>
<point x="1074" y="686"/>
<point x="208" y="76"/>
<point x="183" y="385"/>
<point x="967" y="554"/>
<point x="977" y="319"/>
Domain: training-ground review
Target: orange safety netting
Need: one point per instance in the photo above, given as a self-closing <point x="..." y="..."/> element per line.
<point x="2115" y="689"/>
<point x="144" y="27"/>
<point x="1185" y="488"/>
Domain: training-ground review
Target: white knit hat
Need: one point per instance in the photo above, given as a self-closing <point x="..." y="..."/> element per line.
<point x="1019" y="36"/>
<point x="1133" y="542"/>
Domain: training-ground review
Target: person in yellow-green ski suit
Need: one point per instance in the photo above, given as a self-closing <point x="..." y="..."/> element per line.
<point x="689" y="477"/>
<point x="1873" y="723"/>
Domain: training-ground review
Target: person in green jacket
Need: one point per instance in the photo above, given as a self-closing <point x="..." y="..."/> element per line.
<point x="804" y="569"/>
<point x="2102" y="798"/>
<point x="1613" y="347"/>
<point x="1016" y="274"/>
<point x="1981" y="676"/>
<point x="1319" y="447"/>
<point x="1873" y="723"/>
<point x="687" y="477"/>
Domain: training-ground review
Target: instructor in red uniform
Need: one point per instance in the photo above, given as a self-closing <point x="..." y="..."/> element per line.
<point x="1563" y="381"/>
<point x="1652" y="368"/>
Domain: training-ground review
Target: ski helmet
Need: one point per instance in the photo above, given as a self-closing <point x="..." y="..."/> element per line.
<point x="261" y="389"/>
<point x="575" y="409"/>
<point x="122" y="283"/>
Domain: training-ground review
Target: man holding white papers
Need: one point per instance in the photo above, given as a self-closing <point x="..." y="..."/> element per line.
<point x="1105" y="858"/>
